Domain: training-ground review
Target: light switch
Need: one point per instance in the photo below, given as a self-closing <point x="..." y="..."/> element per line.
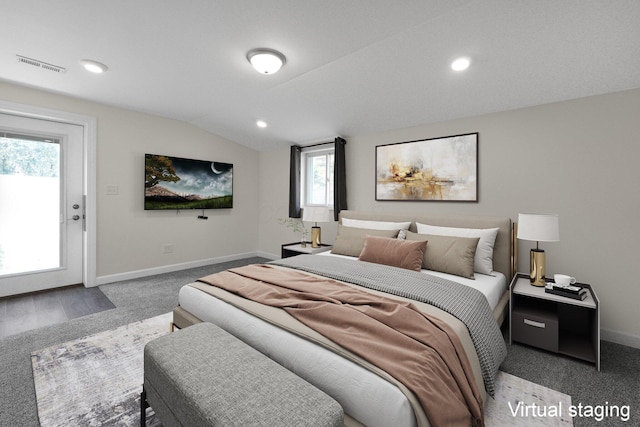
<point x="112" y="190"/>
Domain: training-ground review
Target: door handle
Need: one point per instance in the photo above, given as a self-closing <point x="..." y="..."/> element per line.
<point x="75" y="217"/>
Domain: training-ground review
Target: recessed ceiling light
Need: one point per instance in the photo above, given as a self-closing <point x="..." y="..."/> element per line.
<point x="266" y="61"/>
<point x="261" y="124"/>
<point x="94" y="66"/>
<point x="461" y="64"/>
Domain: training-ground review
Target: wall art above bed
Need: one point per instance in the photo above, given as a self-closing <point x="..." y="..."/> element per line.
<point x="438" y="169"/>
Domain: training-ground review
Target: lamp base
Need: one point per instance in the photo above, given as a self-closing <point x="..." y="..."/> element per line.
<point x="537" y="264"/>
<point x="315" y="237"/>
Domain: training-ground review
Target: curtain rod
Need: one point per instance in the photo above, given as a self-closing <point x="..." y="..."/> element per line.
<point x="318" y="144"/>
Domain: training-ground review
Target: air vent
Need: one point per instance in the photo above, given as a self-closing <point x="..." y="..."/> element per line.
<point x="40" y="64"/>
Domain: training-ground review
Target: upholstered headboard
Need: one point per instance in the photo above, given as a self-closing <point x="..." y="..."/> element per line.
<point x="502" y="251"/>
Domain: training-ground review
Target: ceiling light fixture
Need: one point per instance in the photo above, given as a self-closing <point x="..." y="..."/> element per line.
<point x="461" y="64"/>
<point x="261" y="124"/>
<point x="266" y="61"/>
<point x="94" y="66"/>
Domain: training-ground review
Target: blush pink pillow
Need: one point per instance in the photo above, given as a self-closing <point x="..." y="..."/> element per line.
<point x="397" y="253"/>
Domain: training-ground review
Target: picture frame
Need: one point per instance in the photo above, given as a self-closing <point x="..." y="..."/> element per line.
<point x="176" y="183"/>
<point x="443" y="169"/>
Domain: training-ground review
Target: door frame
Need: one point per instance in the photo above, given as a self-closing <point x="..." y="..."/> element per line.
<point x="89" y="139"/>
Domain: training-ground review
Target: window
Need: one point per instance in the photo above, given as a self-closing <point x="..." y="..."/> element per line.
<point x="317" y="173"/>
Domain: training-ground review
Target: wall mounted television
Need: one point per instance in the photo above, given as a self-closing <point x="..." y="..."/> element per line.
<point x="177" y="183"/>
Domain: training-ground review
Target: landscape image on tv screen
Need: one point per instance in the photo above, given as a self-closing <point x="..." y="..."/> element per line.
<point x="176" y="183"/>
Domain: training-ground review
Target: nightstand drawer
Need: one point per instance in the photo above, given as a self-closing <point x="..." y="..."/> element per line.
<point x="535" y="327"/>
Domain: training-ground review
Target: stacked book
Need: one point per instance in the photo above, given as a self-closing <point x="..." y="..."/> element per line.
<point x="575" y="292"/>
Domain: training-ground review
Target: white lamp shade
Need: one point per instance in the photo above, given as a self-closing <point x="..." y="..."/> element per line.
<point x="538" y="227"/>
<point x="316" y="214"/>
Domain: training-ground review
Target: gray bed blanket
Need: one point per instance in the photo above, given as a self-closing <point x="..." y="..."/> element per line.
<point x="467" y="304"/>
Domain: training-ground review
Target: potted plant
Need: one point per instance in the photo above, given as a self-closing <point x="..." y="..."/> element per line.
<point x="297" y="226"/>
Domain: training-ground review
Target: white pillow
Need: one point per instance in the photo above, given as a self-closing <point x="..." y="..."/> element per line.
<point x="375" y="225"/>
<point x="483" y="262"/>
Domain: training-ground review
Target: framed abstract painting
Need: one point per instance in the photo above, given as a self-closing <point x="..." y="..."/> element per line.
<point x="437" y="169"/>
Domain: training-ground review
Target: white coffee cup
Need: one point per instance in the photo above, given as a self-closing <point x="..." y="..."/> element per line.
<point x="563" y="280"/>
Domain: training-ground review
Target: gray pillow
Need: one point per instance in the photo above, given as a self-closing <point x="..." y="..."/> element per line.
<point x="484" y="251"/>
<point x="350" y="240"/>
<point x="448" y="254"/>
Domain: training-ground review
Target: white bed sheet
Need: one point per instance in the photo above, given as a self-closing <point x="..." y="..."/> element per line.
<point x="493" y="287"/>
<point x="363" y="395"/>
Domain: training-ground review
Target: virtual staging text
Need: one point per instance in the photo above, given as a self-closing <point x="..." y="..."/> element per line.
<point x="596" y="412"/>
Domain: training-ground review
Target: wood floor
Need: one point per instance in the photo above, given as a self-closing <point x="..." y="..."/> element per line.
<point x="30" y="311"/>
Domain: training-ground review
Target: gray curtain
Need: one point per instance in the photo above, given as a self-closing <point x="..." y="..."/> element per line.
<point x="294" y="182"/>
<point x="339" y="178"/>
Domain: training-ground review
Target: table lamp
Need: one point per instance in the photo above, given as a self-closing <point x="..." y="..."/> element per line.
<point x="538" y="228"/>
<point x="316" y="214"/>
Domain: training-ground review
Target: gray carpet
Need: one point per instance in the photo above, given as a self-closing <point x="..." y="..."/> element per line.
<point x="617" y="383"/>
<point x="134" y="300"/>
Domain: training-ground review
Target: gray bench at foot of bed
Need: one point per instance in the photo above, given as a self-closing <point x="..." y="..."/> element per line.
<point x="204" y="376"/>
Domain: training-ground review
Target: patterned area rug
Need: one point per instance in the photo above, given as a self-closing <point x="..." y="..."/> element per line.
<point x="97" y="380"/>
<point x="521" y="403"/>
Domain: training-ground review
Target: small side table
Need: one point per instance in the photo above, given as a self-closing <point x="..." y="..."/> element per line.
<point x="555" y="323"/>
<point x="293" y="249"/>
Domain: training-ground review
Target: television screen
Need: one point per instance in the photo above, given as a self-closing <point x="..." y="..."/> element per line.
<point x="176" y="183"/>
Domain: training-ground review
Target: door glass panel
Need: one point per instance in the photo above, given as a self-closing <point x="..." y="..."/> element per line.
<point x="29" y="204"/>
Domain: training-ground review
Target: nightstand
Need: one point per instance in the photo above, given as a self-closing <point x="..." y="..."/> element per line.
<point x="293" y="249"/>
<point x="555" y="323"/>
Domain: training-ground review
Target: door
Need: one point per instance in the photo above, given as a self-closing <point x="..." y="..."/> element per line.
<point x="41" y="204"/>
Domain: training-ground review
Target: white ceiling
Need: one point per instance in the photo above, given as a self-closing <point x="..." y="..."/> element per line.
<point x="353" y="66"/>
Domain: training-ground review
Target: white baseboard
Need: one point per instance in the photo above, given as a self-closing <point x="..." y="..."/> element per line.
<point x="268" y="256"/>
<point x="620" y="338"/>
<point x="111" y="278"/>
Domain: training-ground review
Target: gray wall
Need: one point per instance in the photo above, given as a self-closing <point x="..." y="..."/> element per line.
<point x="576" y="158"/>
<point x="130" y="240"/>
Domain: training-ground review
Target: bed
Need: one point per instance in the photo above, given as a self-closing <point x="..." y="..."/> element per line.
<point x="370" y="395"/>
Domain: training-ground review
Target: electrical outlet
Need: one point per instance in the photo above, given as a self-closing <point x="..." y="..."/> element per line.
<point x="167" y="248"/>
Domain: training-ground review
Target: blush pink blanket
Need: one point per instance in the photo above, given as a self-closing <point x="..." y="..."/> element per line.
<point x="420" y="351"/>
